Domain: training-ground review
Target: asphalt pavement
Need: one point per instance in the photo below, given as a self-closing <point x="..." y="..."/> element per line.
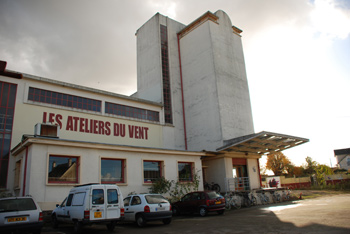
<point x="326" y="214"/>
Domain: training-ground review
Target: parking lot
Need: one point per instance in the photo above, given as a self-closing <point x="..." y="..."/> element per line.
<point x="326" y="214"/>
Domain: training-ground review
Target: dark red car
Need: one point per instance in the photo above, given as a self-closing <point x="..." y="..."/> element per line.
<point x="200" y="202"/>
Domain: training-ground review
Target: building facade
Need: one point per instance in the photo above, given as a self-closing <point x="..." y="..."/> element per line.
<point x="191" y="114"/>
<point x="343" y="158"/>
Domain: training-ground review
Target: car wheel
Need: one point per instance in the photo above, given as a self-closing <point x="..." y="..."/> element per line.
<point x="202" y="211"/>
<point x="176" y="211"/>
<point x="167" y="221"/>
<point x="77" y="227"/>
<point x="220" y="212"/>
<point x="140" y="220"/>
<point x="54" y="221"/>
<point x="110" y="226"/>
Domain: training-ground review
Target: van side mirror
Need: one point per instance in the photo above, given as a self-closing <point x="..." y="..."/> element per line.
<point x="57" y="205"/>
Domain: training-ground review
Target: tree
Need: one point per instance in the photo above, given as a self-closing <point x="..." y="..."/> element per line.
<point x="321" y="171"/>
<point x="310" y="167"/>
<point x="278" y="163"/>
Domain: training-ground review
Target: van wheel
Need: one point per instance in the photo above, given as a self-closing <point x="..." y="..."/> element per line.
<point x="54" y="221"/>
<point x="202" y="211"/>
<point x="140" y="220"/>
<point x="167" y="221"/>
<point x="77" y="227"/>
<point x="111" y="226"/>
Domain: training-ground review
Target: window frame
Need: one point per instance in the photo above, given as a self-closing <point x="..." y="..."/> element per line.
<point x="131" y="112"/>
<point x="123" y="168"/>
<point x="161" y="170"/>
<point x="192" y="165"/>
<point x="63" y="100"/>
<point x="77" y="172"/>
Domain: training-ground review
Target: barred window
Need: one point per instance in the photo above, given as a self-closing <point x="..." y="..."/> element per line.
<point x="61" y="99"/>
<point x="133" y="112"/>
<point x="166" y="75"/>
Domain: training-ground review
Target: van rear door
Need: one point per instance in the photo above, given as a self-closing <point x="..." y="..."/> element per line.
<point x="98" y="203"/>
<point x="113" y="201"/>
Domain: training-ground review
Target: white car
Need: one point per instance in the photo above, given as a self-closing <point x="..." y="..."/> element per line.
<point x="141" y="208"/>
<point x="20" y="214"/>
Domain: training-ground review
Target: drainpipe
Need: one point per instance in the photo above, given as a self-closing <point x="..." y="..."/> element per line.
<point x="182" y="91"/>
<point x="25" y="173"/>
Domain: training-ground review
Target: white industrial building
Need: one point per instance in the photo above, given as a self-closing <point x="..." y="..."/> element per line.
<point x="191" y="113"/>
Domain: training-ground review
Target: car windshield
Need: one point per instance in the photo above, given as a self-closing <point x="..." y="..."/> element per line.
<point x="8" y="205"/>
<point x="155" y="199"/>
<point x="213" y="195"/>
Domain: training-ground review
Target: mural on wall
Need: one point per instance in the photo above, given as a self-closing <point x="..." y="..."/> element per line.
<point x="274" y="182"/>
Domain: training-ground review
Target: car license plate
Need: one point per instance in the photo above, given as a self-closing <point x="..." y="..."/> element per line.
<point x="98" y="214"/>
<point x="160" y="208"/>
<point x="16" y="219"/>
<point x="217" y="202"/>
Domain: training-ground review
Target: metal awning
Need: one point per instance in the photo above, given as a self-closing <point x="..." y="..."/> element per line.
<point x="261" y="143"/>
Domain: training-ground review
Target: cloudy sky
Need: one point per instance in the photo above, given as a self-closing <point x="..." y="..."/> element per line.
<point x="297" y="55"/>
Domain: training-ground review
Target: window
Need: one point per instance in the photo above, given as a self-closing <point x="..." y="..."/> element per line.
<point x="112" y="171"/>
<point x="78" y="199"/>
<point x="185" y="170"/>
<point x="63" y="169"/>
<point x="133" y="112"/>
<point x="98" y="196"/>
<point x="69" y="200"/>
<point x="60" y="99"/>
<point x="7" y="106"/>
<point x="166" y="75"/>
<point x="112" y="196"/>
<point x="127" y="201"/>
<point x="136" y="201"/>
<point x="152" y="170"/>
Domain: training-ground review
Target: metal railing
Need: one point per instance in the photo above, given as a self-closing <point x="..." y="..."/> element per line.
<point x="237" y="184"/>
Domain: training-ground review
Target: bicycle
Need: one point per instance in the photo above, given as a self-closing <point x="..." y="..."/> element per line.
<point x="212" y="187"/>
<point x="233" y="200"/>
<point x="249" y="201"/>
<point x="253" y="199"/>
<point x="263" y="198"/>
<point x="276" y="197"/>
<point x="286" y="195"/>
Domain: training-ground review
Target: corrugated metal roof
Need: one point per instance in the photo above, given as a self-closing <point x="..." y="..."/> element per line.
<point x="262" y="143"/>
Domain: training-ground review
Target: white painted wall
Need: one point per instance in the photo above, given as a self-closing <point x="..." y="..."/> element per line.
<point x="253" y="173"/>
<point x="149" y="74"/>
<point x="200" y="91"/>
<point x="215" y="85"/>
<point x="47" y="195"/>
<point x="233" y="92"/>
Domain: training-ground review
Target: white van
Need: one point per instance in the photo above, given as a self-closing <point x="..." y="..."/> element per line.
<point x="90" y="204"/>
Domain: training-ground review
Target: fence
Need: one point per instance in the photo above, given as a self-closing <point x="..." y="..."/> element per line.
<point x="237" y="184"/>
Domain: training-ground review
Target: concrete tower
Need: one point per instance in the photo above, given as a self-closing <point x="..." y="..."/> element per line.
<point x="198" y="72"/>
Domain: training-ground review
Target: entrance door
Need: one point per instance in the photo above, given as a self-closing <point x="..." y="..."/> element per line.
<point x="240" y="173"/>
